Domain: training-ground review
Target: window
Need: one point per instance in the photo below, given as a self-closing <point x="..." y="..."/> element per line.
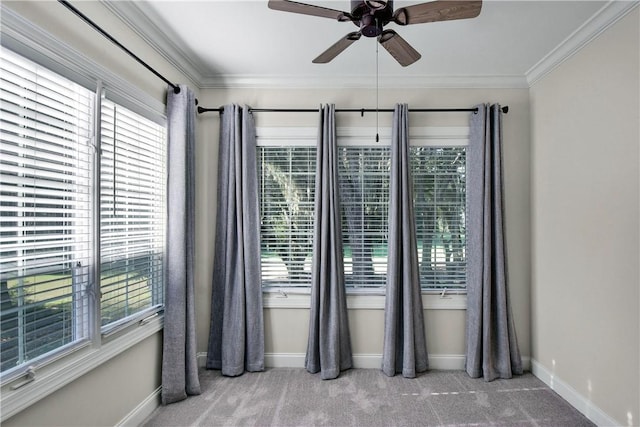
<point x="287" y="183"/>
<point x="45" y="155"/>
<point x="132" y="213"/>
<point x="363" y="173"/>
<point x="49" y="250"/>
<point x="440" y="205"/>
<point x="287" y="194"/>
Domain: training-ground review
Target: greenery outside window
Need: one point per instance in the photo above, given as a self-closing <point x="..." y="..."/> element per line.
<point x="76" y="245"/>
<point x="132" y="214"/>
<point x="287" y="174"/>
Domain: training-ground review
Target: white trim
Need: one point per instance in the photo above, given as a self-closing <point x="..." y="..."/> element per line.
<point x="371" y="361"/>
<point x="364" y="361"/>
<point x="284" y="300"/>
<point x="201" y="359"/>
<point x="447" y="362"/>
<point x="238" y="81"/>
<point x="297" y="298"/>
<point x="140" y="413"/>
<point x="285" y="136"/>
<point x="141" y="19"/>
<point x="56" y="376"/>
<point x="578" y="401"/>
<point x="608" y="15"/>
<point x="284" y="360"/>
<point x="31" y="41"/>
<point x="441" y="136"/>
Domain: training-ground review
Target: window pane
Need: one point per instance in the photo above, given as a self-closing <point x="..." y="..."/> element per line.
<point x="132" y="213"/>
<point x="45" y="189"/>
<point x="440" y="203"/>
<point x="287" y="187"/>
<point x="364" y="197"/>
<point x="287" y="183"/>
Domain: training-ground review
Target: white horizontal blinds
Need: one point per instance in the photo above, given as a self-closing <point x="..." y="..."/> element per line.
<point x="45" y="199"/>
<point x="364" y="197"/>
<point x="287" y="185"/>
<point x="132" y="213"/>
<point x="287" y="182"/>
<point x="440" y="203"/>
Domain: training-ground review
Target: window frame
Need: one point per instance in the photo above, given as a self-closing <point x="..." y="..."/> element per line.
<point x="368" y="297"/>
<point x="48" y="155"/>
<point x="26" y="386"/>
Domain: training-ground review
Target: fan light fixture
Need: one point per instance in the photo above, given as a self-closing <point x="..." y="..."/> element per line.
<point x="376" y="4"/>
<point x="370" y="16"/>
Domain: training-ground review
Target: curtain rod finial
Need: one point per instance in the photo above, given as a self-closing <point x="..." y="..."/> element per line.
<point x="505" y="109"/>
<point x="176" y="89"/>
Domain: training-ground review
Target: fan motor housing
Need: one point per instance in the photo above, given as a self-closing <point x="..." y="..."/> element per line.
<point x="371" y="15"/>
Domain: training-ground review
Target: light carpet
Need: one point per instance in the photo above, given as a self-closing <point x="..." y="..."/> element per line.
<point x="366" y="397"/>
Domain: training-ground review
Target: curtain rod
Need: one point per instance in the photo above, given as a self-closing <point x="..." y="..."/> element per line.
<point x="176" y="88"/>
<point x="220" y="110"/>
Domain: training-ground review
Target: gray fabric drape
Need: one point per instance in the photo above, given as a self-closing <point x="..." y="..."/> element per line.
<point x="236" y="340"/>
<point x="329" y="343"/>
<point x="179" y="364"/>
<point x="492" y="347"/>
<point x="405" y="347"/>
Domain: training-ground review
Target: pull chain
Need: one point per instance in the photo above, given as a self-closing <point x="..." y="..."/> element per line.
<point x="377" y="94"/>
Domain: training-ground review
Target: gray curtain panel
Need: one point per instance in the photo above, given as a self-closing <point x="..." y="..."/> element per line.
<point x="492" y="347"/>
<point x="179" y="364"/>
<point x="236" y="340"/>
<point x="405" y="348"/>
<point x="329" y="343"/>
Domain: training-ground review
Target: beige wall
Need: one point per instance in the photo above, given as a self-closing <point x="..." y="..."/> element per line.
<point x="110" y="392"/>
<point x="572" y="194"/>
<point x="102" y="397"/>
<point x="286" y="329"/>
<point x="585" y="189"/>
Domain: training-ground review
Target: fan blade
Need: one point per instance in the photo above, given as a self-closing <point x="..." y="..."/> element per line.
<point x="441" y="10"/>
<point x="307" y="9"/>
<point x="398" y="48"/>
<point x="337" y="48"/>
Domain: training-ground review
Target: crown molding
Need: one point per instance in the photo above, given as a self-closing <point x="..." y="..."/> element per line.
<point x="33" y="42"/>
<point x="141" y="20"/>
<point x="608" y="15"/>
<point x="351" y="81"/>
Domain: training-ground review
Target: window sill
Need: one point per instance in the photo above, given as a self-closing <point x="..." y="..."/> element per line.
<point x="430" y="301"/>
<point x="56" y="375"/>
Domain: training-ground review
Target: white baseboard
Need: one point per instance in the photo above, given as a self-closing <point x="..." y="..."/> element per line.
<point x="447" y="362"/>
<point x="575" y="399"/>
<point x="364" y="361"/>
<point x="140" y="413"/>
<point x="284" y="360"/>
<point x="202" y="359"/>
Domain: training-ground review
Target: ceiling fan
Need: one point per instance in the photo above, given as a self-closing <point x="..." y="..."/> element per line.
<point x="372" y="15"/>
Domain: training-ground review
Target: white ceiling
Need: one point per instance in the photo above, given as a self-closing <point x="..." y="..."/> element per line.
<point x="220" y="41"/>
